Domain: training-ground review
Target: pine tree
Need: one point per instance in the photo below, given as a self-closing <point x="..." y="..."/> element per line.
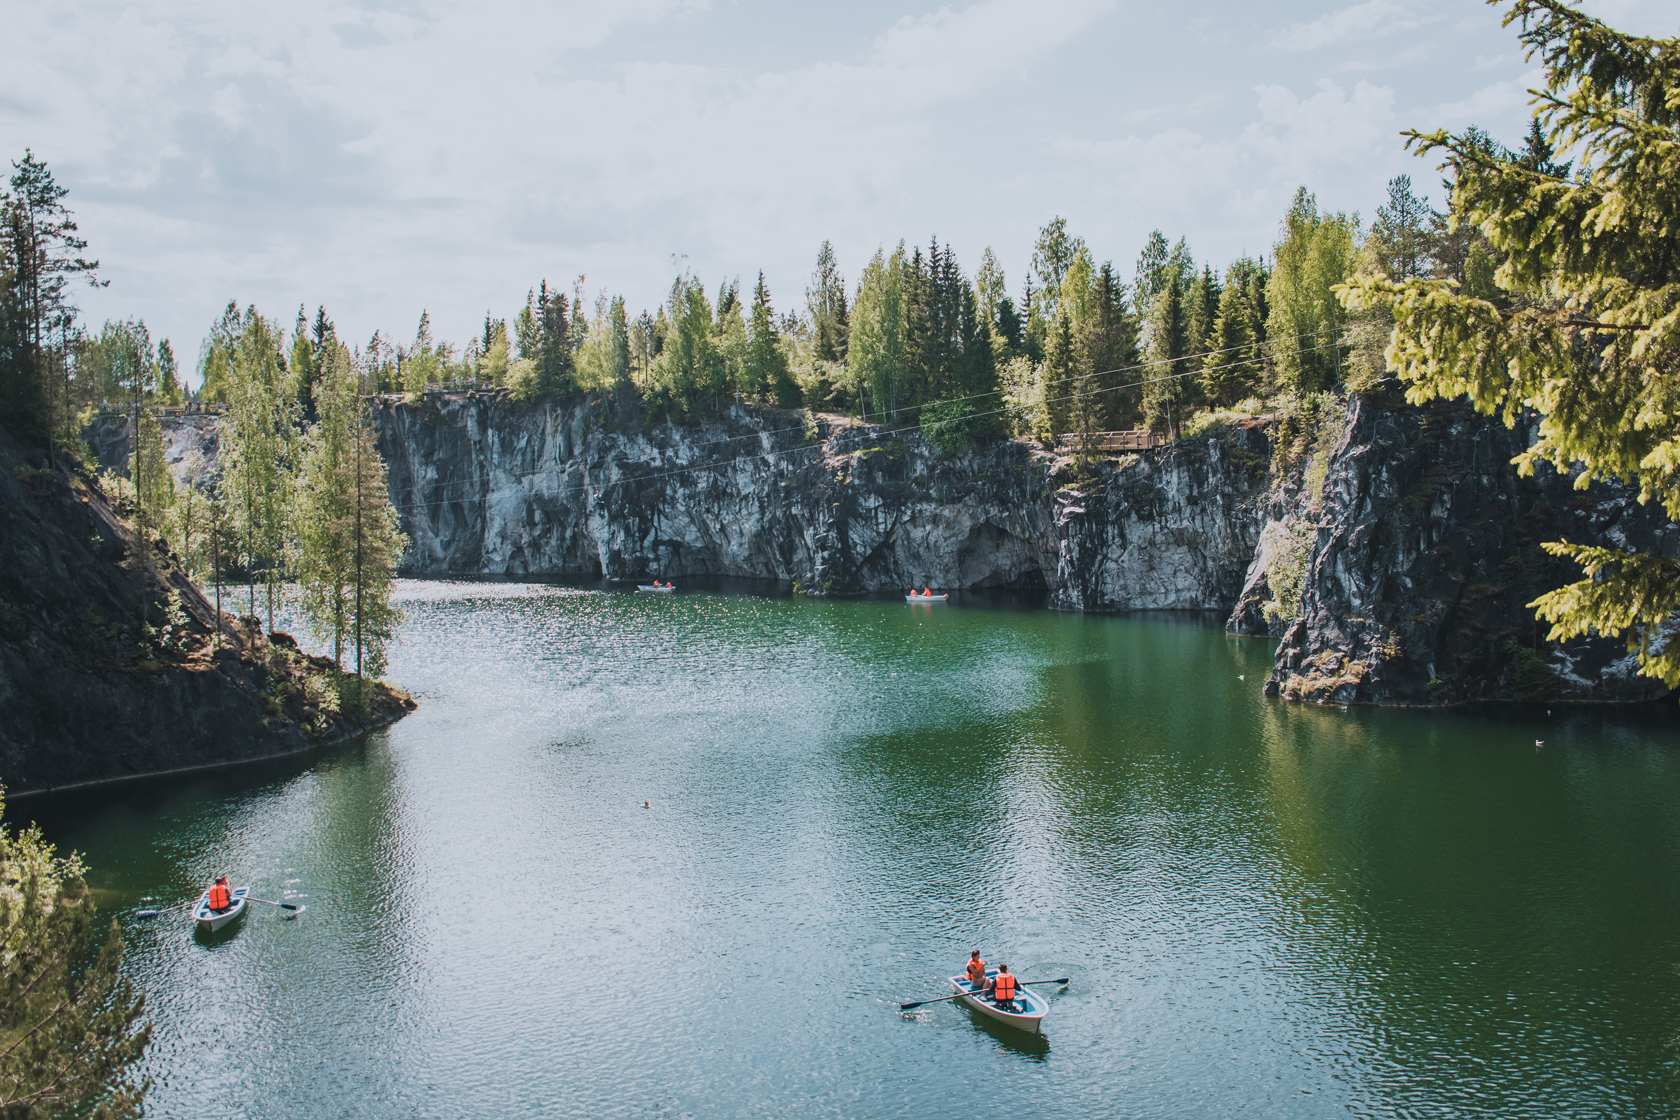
<point x="767" y="363"/>
<point x="1061" y="369"/>
<point x="1108" y="352"/>
<point x="1589" y="334"/>
<point x="257" y="453"/>
<point x="40" y="253"/>
<point x="1053" y="254"/>
<point x="876" y="356"/>
<point x="347" y="544"/>
<point x="1401" y="236"/>
<point x="75" y="1029"/>
<point x="1201" y="307"/>
<point x="826" y="301"/>
<point x="301" y="374"/>
<point x="1165" y="396"/>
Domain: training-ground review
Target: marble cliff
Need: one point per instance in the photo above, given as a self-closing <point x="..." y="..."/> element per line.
<point x="1417" y="544"/>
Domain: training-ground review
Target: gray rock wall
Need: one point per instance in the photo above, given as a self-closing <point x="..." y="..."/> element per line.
<point x="1424" y="543"/>
<point x="1427" y="554"/>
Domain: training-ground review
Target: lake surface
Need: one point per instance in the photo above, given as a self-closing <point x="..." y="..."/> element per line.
<point x="1265" y="909"/>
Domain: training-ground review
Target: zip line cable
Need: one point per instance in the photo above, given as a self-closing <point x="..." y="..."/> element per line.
<point x="671" y="472"/>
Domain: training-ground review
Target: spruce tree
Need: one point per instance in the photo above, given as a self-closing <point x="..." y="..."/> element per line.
<point x="1165" y="391"/>
<point x="767" y="361"/>
<point x="825" y="299"/>
<point x="347" y="544"/>
<point x="1588" y="334"/>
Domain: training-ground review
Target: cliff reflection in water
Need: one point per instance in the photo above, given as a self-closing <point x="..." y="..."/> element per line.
<point x="1265" y="908"/>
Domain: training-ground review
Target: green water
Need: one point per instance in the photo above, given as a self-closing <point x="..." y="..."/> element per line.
<point x="1265" y="909"/>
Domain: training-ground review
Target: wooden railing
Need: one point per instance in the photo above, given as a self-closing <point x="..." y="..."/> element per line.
<point x="1114" y="441"/>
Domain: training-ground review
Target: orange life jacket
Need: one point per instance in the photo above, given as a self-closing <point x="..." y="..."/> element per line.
<point x="219" y="899"/>
<point x="977" y="973"/>
<point x="1005" y="989"/>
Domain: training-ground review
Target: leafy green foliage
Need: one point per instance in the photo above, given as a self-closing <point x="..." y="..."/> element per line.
<point x="948" y="425"/>
<point x="71" y="1028"/>
<point x="1315" y="253"/>
<point x="1585" y="325"/>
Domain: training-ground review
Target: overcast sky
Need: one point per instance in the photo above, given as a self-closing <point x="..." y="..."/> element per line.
<point x="381" y="158"/>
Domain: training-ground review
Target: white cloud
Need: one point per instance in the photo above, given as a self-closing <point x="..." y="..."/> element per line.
<point x="1372" y="19"/>
<point x="381" y="157"/>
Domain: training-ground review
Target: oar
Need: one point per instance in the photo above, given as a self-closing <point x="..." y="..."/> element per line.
<point x="959" y="995"/>
<point x="264" y="901"/>
<point x="144" y="914"/>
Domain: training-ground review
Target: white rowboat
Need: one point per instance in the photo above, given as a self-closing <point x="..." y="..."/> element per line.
<point x="209" y="921"/>
<point x="1033" y="1007"/>
<point x="926" y="598"/>
<point x="655" y="590"/>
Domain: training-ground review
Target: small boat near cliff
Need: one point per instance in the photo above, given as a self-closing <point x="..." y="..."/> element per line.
<point x="926" y="598"/>
<point x="655" y="589"/>
<point x="208" y="920"/>
<point x="1033" y="1007"/>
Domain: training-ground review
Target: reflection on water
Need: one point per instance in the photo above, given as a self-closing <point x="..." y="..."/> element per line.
<point x="1265" y="909"/>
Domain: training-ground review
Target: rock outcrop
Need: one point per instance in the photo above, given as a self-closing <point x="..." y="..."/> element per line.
<point x="108" y="661"/>
<point x="1427" y="554"/>
<point x="1171" y="530"/>
<point x="488" y="485"/>
<point x="1418" y="542"/>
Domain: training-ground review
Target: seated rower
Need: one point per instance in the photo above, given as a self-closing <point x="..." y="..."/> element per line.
<point x="1003" y="988"/>
<point x="220" y="898"/>
<point x="976" y="971"/>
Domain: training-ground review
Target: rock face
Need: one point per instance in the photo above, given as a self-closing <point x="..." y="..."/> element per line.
<point x="1170" y="530"/>
<point x="184" y="436"/>
<point x="107" y="666"/>
<point x="489" y="485"/>
<point x="1420" y="544"/>
<point x="1427" y="553"/>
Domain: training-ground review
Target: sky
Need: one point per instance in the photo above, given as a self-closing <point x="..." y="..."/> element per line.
<point x="381" y="158"/>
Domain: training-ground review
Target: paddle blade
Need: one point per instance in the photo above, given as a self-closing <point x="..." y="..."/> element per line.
<point x="908" y="1006"/>
<point x="143" y="914"/>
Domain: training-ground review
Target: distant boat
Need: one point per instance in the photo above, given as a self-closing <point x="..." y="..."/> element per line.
<point x="209" y="921"/>
<point x="1033" y="1006"/>
<point x="913" y="598"/>
<point x="654" y="589"/>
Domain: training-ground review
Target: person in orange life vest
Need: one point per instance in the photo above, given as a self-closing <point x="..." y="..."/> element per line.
<point x="1003" y="988"/>
<point x="220" y="898"/>
<point x="927" y="593"/>
<point x="976" y="971"/>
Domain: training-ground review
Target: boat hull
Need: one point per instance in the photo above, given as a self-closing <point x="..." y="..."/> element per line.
<point x="210" y="922"/>
<point x="926" y="598"/>
<point x="1033" y="1006"/>
<point x="656" y="590"/>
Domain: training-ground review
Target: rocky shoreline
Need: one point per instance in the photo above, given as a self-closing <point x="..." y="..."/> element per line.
<point x="1408" y="543"/>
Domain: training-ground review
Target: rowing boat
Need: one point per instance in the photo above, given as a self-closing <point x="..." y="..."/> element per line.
<point x="1033" y="1007"/>
<point x="208" y="920"/>
<point x="654" y="589"/>
<point x="926" y="598"/>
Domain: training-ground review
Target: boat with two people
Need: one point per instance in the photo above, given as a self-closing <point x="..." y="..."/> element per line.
<point x="1024" y="1012"/>
<point x="657" y="588"/>
<point x="926" y="596"/>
